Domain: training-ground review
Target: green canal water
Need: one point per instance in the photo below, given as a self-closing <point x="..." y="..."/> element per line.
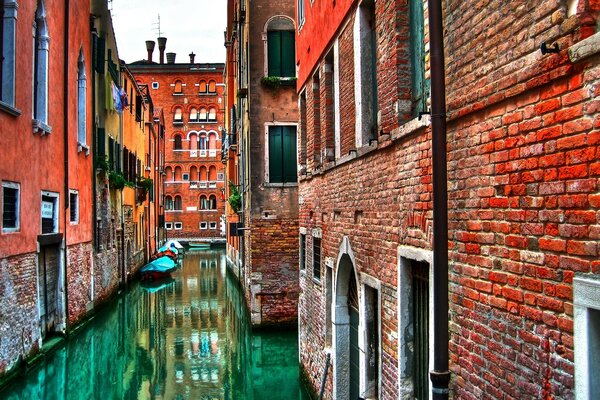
<point x="188" y="338"/>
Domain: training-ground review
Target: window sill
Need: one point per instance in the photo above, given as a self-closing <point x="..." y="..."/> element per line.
<point x="83" y="147"/>
<point x="316" y="281"/>
<point x="177" y="94"/>
<point x="9" y="109"/>
<point x="280" y="185"/>
<point x="10" y="230"/>
<point x="41" y="127"/>
<point x="177" y="122"/>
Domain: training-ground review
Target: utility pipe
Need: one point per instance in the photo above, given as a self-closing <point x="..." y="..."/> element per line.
<point x="440" y="375"/>
<point x="66" y="158"/>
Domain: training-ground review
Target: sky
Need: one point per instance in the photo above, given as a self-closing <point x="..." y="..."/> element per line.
<point x="188" y="25"/>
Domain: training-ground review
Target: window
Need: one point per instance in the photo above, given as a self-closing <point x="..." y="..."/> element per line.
<point x="419" y="85"/>
<point x="303" y="116"/>
<point x="81" y="103"/>
<point x="193" y="173"/>
<point x="178" y="117"/>
<point x="212" y="87"/>
<point x="281" y="48"/>
<point x="208" y="203"/>
<point x="203" y="173"/>
<point x="186" y="177"/>
<point x="282" y="154"/>
<point x="213" y="225"/>
<point x="178" y="225"/>
<point x="8" y="23"/>
<point x="10" y="206"/>
<point x="203" y="115"/>
<point x="169" y="203"/>
<point x="178" y="176"/>
<point x="212" y="173"/>
<point x="586" y="299"/>
<point x="302" y="252"/>
<point x="300" y="13"/>
<point x="74" y="206"/>
<point x="49" y="211"/>
<point x="203" y="225"/>
<point x="177" y="142"/>
<point x="193" y="114"/>
<point x="178" y="204"/>
<point x="178" y="87"/>
<point x="317" y="258"/>
<point x="40" y="70"/>
<point x="168" y="226"/>
<point x="212" y="141"/>
<point x="372" y="325"/>
<point x="220" y="176"/>
<point x="202" y="88"/>
<point x="168" y="174"/>
<point x="155" y="85"/>
<point x="212" y="115"/>
<point x="420" y="317"/>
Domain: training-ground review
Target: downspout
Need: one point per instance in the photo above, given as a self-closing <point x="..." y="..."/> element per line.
<point x="123" y="275"/>
<point x="66" y="156"/>
<point x="440" y="376"/>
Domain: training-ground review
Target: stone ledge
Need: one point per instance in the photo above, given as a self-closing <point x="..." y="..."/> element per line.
<point x="585" y="48"/>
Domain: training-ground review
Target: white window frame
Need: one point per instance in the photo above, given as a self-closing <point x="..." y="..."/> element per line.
<point x="178" y="226"/>
<point x="56" y="198"/>
<point x="155" y="85"/>
<point x="203" y="225"/>
<point x="82" y="105"/>
<point x="586" y="302"/>
<point x="212" y="225"/>
<point x="17" y="186"/>
<point x="185" y="177"/>
<point x="76" y="205"/>
<point x="220" y="176"/>
<point x="168" y="226"/>
<point x="7" y="94"/>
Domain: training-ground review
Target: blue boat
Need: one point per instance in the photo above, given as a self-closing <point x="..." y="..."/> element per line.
<point x="158" y="268"/>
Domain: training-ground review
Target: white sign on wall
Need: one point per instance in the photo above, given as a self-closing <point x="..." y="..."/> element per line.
<point x="47" y="209"/>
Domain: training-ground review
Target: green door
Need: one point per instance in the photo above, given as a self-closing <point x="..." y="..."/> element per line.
<point x="354" y="353"/>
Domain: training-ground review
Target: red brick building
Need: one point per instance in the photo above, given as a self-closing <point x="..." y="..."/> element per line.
<point x="523" y="198"/>
<point x="191" y="96"/>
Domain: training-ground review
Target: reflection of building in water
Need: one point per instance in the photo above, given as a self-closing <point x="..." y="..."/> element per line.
<point x="196" y="329"/>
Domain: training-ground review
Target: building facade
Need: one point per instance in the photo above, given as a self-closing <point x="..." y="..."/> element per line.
<point x="522" y="187"/>
<point x="265" y="107"/>
<point x="191" y="96"/>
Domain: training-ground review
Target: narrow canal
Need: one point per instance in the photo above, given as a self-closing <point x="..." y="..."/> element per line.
<point x="188" y="338"/>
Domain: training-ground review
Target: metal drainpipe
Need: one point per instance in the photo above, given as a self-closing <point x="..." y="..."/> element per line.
<point x="66" y="156"/>
<point x="440" y="376"/>
<point x="120" y="162"/>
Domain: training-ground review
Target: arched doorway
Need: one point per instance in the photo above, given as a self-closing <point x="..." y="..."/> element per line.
<point x="346" y="317"/>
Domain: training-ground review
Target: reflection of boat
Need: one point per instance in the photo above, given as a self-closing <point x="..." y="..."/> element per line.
<point x="159" y="268"/>
<point x="199" y="245"/>
<point x="152" y="286"/>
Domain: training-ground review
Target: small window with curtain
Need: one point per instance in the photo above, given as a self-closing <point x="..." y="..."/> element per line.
<point x="169" y="203"/>
<point x="282" y="154"/>
<point x="193" y="114"/>
<point x="178" y="116"/>
<point x="178" y="203"/>
<point x="203" y="114"/>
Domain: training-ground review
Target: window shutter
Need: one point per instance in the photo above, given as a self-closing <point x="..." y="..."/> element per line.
<point x="275" y="154"/>
<point x="274" y="50"/>
<point x="289" y="154"/>
<point x="419" y="97"/>
<point x="288" y="56"/>
<point x="111" y="153"/>
<point x="101" y="145"/>
<point x="138" y="108"/>
<point x="99" y="54"/>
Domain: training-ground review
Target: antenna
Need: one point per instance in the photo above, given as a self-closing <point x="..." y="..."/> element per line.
<point x="156" y="27"/>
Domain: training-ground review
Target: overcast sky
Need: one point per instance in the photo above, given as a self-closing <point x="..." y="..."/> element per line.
<point x="188" y="25"/>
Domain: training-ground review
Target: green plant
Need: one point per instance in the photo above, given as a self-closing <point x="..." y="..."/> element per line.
<point x="235" y="197"/>
<point x="145" y="183"/>
<point x="275" y="82"/>
<point x="118" y="181"/>
<point x="102" y="163"/>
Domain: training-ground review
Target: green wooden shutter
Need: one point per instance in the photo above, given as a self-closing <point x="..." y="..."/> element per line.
<point x="288" y="56"/>
<point x="417" y="54"/>
<point x="289" y="154"/>
<point x="101" y="147"/>
<point x="274" y="51"/>
<point x="275" y="154"/>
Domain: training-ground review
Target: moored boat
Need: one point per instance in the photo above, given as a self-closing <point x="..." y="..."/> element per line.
<point x="159" y="268"/>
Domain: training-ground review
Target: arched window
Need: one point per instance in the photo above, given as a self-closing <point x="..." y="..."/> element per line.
<point x="178" y="204"/>
<point x="81" y="101"/>
<point x="212" y="114"/>
<point x="169" y="173"/>
<point x="212" y="202"/>
<point x="212" y="87"/>
<point x="40" y="69"/>
<point x="281" y="47"/>
<point x="178" y="174"/>
<point x="212" y="141"/>
<point x="177" y="142"/>
<point x="178" y="87"/>
<point x="202" y="115"/>
<point x="193" y="114"/>
<point x="168" y="203"/>
<point x="203" y="202"/>
<point x="193" y="141"/>
<point x="178" y="117"/>
<point x="202" y="142"/>
<point x="202" y="87"/>
<point x="193" y="173"/>
<point x="203" y="173"/>
<point x="212" y="173"/>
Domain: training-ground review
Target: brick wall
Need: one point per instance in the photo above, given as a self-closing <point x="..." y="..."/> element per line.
<point x="79" y="280"/>
<point x="346" y="96"/>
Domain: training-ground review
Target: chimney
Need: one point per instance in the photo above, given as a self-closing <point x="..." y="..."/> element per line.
<point x="170" y="58"/>
<point x="162" y="43"/>
<point x="150" y="47"/>
<point x="192" y="56"/>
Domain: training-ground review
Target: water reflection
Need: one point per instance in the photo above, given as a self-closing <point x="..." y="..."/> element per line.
<point x="186" y="338"/>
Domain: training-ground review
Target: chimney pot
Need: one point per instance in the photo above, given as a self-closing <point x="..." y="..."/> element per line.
<point x="192" y="56"/>
<point x="171" y="58"/>
<point x="150" y="47"/>
<point x="162" y="44"/>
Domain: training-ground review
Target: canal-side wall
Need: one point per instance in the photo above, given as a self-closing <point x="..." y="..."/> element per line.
<point x="19" y="314"/>
<point x="79" y="285"/>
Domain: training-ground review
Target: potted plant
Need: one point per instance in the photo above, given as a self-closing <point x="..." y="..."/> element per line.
<point x="235" y="198"/>
<point x="145" y="183"/>
<point x="117" y="180"/>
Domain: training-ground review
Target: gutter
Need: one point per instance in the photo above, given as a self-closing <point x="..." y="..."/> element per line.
<point x="66" y="157"/>
<point x="440" y="375"/>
